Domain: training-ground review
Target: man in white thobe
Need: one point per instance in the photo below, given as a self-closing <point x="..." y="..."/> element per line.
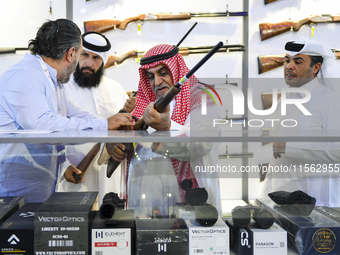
<point x="307" y="64"/>
<point x="99" y="95"/>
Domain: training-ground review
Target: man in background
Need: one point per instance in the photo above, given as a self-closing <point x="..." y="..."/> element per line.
<point x="309" y="65"/>
<point x="91" y="90"/>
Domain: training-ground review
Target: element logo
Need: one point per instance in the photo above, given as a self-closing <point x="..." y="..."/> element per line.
<point x="204" y="97"/>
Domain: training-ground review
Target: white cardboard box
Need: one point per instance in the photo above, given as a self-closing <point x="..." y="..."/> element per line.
<point x="208" y="240"/>
<point x="111" y="241"/>
<point x="269" y="241"/>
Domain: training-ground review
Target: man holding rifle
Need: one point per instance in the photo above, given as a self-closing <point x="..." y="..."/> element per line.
<point x="33" y="97"/>
<point x="155" y="170"/>
<point x="99" y="95"/>
<point x="314" y="165"/>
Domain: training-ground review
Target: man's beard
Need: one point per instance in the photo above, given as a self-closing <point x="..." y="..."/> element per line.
<point x="85" y="80"/>
<point x="66" y="73"/>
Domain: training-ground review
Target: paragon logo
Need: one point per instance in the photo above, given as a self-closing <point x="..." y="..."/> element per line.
<point x="13" y="240"/>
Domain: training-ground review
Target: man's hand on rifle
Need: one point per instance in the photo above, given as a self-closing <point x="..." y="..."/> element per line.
<point x="130" y="103"/>
<point x="69" y="172"/>
<point x="116" y="151"/>
<point x="155" y="119"/>
<point x="122" y="121"/>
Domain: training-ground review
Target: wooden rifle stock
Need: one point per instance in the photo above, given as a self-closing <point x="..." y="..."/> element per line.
<point x="117" y="60"/>
<point x="269" y="1"/>
<point x="270" y="62"/>
<point x="105" y="25"/>
<point x="269" y="30"/>
<point x="184" y="51"/>
<point x="86" y="161"/>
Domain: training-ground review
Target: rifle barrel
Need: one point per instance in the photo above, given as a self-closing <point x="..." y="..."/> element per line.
<point x="210" y="47"/>
<point x="217" y="14"/>
<point x="188" y="52"/>
<point x="6" y="50"/>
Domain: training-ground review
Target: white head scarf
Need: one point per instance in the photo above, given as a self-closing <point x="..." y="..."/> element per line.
<point x="315" y="48"/>
<point x="97" y="44"/>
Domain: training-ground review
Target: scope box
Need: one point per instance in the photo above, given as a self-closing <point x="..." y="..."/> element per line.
<point x="165" y="236"/>
<point x="253" y="240"/>
<point x="62" y="223"/>
<point x="208" y="240"/>
<point x="114" y="236"/>
<point x="8" y="205"/>
<point x="310" y="235"/>
<point x="17" y="231"/>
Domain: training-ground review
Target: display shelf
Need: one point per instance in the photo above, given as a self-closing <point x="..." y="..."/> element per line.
<point x="264" y="136"/>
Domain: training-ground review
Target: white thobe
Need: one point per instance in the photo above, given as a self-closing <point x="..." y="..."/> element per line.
<point x="105" y="100"/>
<point x="152" y="182"/>
<point x="324" y="107"/>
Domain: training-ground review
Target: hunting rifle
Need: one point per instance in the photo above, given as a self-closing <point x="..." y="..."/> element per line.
<point x="269" y="30"/>
<point x="270" y="62"/>
<point x="86" y="161"/>
<point x="269" y="1"/>
<point x="105" y="25"/>
<point x="162" y="103"/>
<point x="6" y="50"/>
<point x="184" y="51"/>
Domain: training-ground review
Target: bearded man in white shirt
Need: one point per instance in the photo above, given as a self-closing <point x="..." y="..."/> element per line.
<point x="99" y="95"/>
<point x="307" y="65"/>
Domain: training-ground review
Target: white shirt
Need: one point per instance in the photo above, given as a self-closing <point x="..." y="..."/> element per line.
<point x="324" y="106"/>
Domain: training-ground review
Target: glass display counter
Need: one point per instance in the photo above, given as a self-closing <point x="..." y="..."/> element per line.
<point x="236" y="148"/>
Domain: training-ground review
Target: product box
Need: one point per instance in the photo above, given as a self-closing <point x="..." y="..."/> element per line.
<point x="208" y="240"/>
<point x="114" y="236"/>
<point x="165" y="236"/>
<point x="17" y="231"/>
<point x="310" y="235"/>
<point x="8" y="205"/>
<point x="62" y="224"/>
<point x="253" y="240"/>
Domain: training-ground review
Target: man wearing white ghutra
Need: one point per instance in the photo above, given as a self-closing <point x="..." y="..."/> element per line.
<point x="309" y="65"/>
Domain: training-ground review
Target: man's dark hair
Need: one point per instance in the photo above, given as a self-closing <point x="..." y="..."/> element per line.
<point x="315" y="60"/>
<point x="88" y="80"/>
<point x="54" y="38"/>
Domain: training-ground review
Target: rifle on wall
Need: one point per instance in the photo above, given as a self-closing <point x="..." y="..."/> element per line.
<point x="270" y="62"/>
<point x="269" y="1"/>
<point x="269" y="30"/>
<point x="184" y="51"/>
<point x="6" y="50"/>
<point x="105" y="25"/>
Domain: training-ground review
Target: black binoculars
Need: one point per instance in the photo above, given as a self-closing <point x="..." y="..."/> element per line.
<point x="111" y="204"/>
<point x="206" y="214"/>
<point x="243" y="214"/>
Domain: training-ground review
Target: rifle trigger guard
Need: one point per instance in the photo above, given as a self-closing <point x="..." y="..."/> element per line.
<point x="312" y="26"/>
